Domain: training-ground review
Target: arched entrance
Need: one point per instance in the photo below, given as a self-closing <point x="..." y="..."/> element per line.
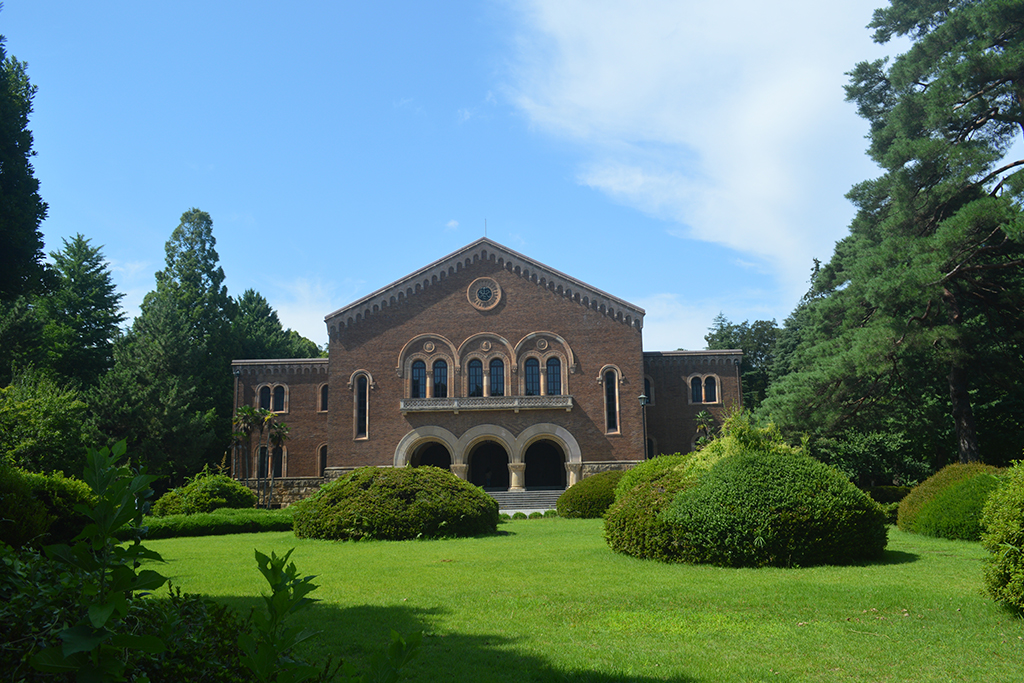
<point x="545" y="465"/>
<point x="433" y="454"/>
<point x="488" y="466"/>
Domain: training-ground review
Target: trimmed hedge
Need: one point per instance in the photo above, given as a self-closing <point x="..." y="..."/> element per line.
<point x="217" y="523"/>
<point x="925" y="493"/>
<point x="1003" y="535"/>
<point x="590" y="497"/>
<point x="205" y="492"/>
<point x="777" y="509"/>
<point x="38" y="509"/>
<point x="396" y="504"/>
<point x="955" y="512"/>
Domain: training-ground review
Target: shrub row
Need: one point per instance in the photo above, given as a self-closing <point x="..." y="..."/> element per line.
<point x="1003" y="536"/>
<point x="396" y="504"/>
<point x="38" y="509"/>
<point x="949" y="503"/>
<point x="590" y="497"/>
<point x="205" y="492"/>
<point x="217" y="523"/>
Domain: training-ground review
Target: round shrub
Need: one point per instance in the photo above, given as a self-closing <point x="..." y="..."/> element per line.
<point x="955" y="512"/>
<point x="1002" y="521"/>
<point x="536" y="514"/>
<point x="396" y="504"/>
<point x="590" y="497"/>
<point x="519" y="515"/>
<point x="205" y="492"/>
<point x="776" y="509"/>
<point x="922" y="494"/>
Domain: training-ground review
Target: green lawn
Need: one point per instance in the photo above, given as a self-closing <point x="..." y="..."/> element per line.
<point x="545" y="600"/>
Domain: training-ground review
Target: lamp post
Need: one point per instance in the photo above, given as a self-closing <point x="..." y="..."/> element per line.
<point x="643" y="420"/>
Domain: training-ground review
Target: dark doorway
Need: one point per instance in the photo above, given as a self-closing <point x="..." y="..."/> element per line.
<point x="488" y="466"/>
<point x="433" y="454"/>
<point x="545" y="466"/>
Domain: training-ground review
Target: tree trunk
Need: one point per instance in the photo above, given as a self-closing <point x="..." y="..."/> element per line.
<point x="963" y="414"/>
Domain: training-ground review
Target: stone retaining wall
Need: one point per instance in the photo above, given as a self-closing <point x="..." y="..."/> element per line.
<point x="286" y="490"/>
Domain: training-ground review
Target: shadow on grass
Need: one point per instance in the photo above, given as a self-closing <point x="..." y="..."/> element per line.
<point x="897" y="557"/>
<point x="357" y="634"/>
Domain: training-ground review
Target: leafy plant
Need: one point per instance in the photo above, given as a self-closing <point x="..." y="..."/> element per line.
<point x="924" y="493"/>
<point x="955" y="512"/>
<point x="1003" y="536"/>
<point x="205" y="492"/>
<point x="590" y="497"/>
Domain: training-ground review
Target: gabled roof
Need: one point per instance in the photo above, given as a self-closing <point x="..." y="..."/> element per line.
<point x="486" y="250"/>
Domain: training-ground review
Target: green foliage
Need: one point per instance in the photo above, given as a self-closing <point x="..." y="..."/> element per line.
<point x="259" y="334"/>
<point x="757" y="341"/>
<point x="888" y="494"/>
<point x="1003" y="536"/>
<point x="772" y="508"/>
<point x="519" y="515"/>
<point x="396" y="504"/>
<point x="219" y="523"/>
<point x="551" y="513"/>
<point x="21" y="208"/>
<point x="590" y="497"/>
<point x="870" y="456"/>
<point x="536" y="514"/>
<point x="205" y="492"/>
<point x="39" y="508"/>
<point x="955" y="511"/>
<point x="42" y="424"/>
<point x="924" y="493"/>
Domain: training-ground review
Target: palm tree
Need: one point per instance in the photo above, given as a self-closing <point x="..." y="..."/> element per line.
<point x="278" y="435"/>
<point x="243" y="423"/>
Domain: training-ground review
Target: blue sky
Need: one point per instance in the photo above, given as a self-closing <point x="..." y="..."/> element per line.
<point x="689" y="157"/>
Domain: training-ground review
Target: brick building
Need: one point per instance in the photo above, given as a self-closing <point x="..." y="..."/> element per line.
<point x="508" y="372"/>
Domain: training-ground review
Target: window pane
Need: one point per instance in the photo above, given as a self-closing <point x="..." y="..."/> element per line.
<point x="532" y="377"/>
<point x="265" y="398"/>
<point x="554" y="377"/>
<point x="610" y="401"/>
<point x="497" y="377"/>
<point x="440" y="379"/>
<point x="418" y="387"/>
<point x="696" y="394"/>
<point x="710" y="390"/>
<point x="323" y="397"/>
<point x="278" y="399"/>
<point x="278" y="461"/>
<point x="323" y="459"/>
<point x="476" y="378"/>
<point x="361" y="401"/>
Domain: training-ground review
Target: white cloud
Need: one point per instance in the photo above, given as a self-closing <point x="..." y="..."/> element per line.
<point x="302" y="303"/>
<point x="672" y="324"/>
<point x="726" y="119"/>
<point x="451" y="225"/>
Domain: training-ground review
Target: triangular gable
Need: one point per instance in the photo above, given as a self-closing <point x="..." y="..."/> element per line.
<point x="486" y="250"/>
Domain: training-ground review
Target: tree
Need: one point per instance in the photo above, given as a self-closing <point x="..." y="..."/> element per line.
<point x="757" y="341"/>
<point x="42" y="424"/>
<point x="924" y="301"/>
<point x="82" y="314"/>
<point x="258" y="332"/>
<point x="21" y="208"/>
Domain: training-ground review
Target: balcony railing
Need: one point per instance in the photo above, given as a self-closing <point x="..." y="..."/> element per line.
<point x="513" y="403"/>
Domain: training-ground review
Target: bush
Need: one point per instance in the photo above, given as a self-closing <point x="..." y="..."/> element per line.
<point x="38" y="509"/>
<point x="955" y="512"/>
<point x="551" y="513"/>
<point x="205" y="492"/>
<point x="396" y="504"/>
<point x="519" y="515"/>
<point x="926" y="491"/>
<point x="536" y="514"/>
<point x="1002" y="535"/>
<point x="217" y="523"/>
<point x="590" y="497"/>
<point x="776" y="509"/>
<point x="888" y="494"/>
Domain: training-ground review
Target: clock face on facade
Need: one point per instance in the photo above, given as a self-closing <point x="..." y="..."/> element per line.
<point x="484" y="293"/>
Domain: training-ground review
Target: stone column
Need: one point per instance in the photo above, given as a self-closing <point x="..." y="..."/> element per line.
<point x="460" y="471"/>
<point x="515" y="472"/>
<point x="573" y="470"/>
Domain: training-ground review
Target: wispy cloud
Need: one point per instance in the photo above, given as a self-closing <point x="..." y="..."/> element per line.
<point x="302" y="303"/>
<point x="451" y="225"/>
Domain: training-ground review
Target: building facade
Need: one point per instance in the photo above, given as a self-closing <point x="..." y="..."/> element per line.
<point x="507" y="372"/>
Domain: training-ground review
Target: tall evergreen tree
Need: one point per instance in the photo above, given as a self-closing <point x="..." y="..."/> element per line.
<point x="924" y="300"/>
<point x="82" y="315"/>
<point x="757" y="341"/>
<point x="21" y="208"/>
<point x="258" y="332"/>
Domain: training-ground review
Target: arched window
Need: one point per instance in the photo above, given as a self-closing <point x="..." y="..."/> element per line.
<point x="704" y="389"/>
<point x="497" y="377"/>
<point x="278" y="458"/>
<point x="278" y="399"/>
<point x="532" y="377"/>
<point x="418" y="386"/>
<point x="440" y="379"/>
<point x="554" y="372"/>
<point x="710" y="390"/>
<point x="323" y="459"/>
<point x="323" y="398"/>
<point x="265" y="398"/>
<point x="696" y="391"/>
<point x="611" y="401"/>
<point x="362" y="405"/>
<point x="475" y="372"/>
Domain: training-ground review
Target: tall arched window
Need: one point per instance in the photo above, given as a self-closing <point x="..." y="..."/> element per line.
<point x="704" y="389"/>
<point x="323" y="459"/>
<point x="497" y="377"/>
<point x="323" y="398"/>
<point x="440" y="379"/>
<point x="611" y="401"/>
<point x="418" y="385"/>
<point x="696" y="391"/>
<point x="278" y="399"/>
<point x="554" y="372"/>
<point x="710" y="390"/>
<point x="532" y="377"/>
<point x="265" y="398"/>
<point x="475" y="377"/>
<point x="362" y="404"/>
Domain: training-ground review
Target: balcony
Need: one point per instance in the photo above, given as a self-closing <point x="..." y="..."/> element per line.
<point x="477" y="403"/>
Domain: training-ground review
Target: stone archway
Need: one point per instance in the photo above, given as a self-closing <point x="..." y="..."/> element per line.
<point x="545" y="465"/>
<point x="431" y="453"/>
<point x="488" y="466"/>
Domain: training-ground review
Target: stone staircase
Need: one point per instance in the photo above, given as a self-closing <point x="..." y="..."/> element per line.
<point x="538" y="499"/>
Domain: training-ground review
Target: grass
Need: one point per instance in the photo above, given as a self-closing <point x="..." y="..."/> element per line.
<point x="545" y="600"/>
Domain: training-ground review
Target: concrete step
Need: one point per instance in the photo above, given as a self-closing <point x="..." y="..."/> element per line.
<point x="544" y="499"/>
